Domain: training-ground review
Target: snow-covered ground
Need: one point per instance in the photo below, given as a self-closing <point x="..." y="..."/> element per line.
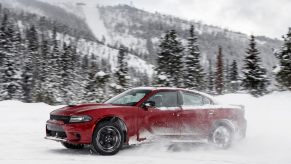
<point x="268" y="141"/>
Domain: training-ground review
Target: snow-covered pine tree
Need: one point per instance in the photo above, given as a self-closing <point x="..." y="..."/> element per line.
<point x="163" y="58"/>
<point x="91" y="71"/>
<point x="97" y="87"/>
<point x="234" y="77"/>
<point x="193" y="71"/>
<point x="67" y="76"/>
<point x="122" y="70"/>
<point x="283" y="76"/>
<point x="31" y="82"/>
<point x="210" y="79"/>
<point x="53" y="82"/>
<point x="44" y="70"/>
<point x="175" y="64"/>
<point x="226" y="74"/>
<point x="44" y="58"/>
<point x="96" y="81"/>
<point x="9" y="71"/>
<point x="254" y="79"/>
<point x="219" y="77"/>
<point x="170" y="64"/>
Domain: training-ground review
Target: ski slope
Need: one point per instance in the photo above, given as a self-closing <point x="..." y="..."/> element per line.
<point x="94" y="21"/>
<point x="268" y="138"/>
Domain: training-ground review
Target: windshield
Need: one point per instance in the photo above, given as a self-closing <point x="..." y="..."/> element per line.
<point x="130" y="97"/>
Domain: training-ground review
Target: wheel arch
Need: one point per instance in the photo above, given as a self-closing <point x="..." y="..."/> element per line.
<point x="113" y="119"/>
<point x="224" y="122"/>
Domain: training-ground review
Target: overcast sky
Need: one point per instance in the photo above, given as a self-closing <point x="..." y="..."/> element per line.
<point x="259" y="17"/>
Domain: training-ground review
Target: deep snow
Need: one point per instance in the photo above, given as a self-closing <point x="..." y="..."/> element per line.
<point x="268" y="141"/>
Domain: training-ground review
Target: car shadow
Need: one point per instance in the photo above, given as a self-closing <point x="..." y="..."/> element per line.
<point x="84" y="151"/>
<point x="180" y="147"/>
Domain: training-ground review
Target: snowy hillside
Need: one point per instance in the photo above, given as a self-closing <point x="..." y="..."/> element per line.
<point x="110" y="55"/>
<point x="88" y="25"/>
<point x="140" y="30"/>
<point x="267" y="142"/>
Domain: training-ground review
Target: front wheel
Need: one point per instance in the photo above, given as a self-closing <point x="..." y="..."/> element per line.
<point x="72" y="146"/>
<point x="221" y="137"/>
<point x="108" y="138"/>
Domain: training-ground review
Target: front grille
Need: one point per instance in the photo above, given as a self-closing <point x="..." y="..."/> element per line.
<point x="65" y="119"/>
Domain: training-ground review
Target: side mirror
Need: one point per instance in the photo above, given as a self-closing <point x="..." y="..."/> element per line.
<point x="149" y="104"/>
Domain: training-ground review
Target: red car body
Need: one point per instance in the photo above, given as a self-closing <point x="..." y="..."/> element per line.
<point x="134" y="119"/>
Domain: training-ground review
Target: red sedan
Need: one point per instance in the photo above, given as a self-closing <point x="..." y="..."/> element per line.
<point x="173" y="112"/>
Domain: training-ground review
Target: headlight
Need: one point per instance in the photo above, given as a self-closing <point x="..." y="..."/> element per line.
<point x="74" y="119"/>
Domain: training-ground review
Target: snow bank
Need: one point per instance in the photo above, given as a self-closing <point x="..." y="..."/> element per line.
<point x="268" y="138"/>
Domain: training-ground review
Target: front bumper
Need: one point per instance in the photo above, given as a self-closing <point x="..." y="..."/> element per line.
<point x="56" y="139"/>
<point x="76" y="133"/>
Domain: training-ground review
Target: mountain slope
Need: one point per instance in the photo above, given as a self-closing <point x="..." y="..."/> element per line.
<point x="136" y="28"/>
<point x="140" y="31"/>
<point x="74" y="26"/>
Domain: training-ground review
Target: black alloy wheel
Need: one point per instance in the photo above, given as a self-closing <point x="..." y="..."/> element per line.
<point x="108" y="138"/>
<point x="221" y="137"/>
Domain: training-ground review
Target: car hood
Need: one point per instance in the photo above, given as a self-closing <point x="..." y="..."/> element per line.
<point x="76" y="109"/>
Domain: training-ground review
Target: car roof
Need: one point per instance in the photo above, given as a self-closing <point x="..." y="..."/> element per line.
<point x="180" y="89"/>
<point x="169" y="88"/>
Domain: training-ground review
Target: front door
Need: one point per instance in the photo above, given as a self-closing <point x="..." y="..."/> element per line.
<point x="163" y="118"/>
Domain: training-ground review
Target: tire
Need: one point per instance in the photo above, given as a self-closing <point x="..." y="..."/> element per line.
<point x="72" y="146"/>
<point x="108" y="138"/>
<point x="221" y="136"/>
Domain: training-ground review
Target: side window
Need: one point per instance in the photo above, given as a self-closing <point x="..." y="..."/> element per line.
<point x="130" y="99"/>
<point x="165" y="100"/>
<point x="193" y="99"/>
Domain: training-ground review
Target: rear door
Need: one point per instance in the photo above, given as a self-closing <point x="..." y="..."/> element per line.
<point x="196" y="113"/>
<point x="163" y="117"/>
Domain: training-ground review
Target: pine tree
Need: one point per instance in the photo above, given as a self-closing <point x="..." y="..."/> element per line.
<point x="44" y="68"/>
<point x="234" y="77"/>
<point x="219" y="78"/>
<point x="122" y="70"/>
<point x="226" y="73"/>
<point x="96" y="87"/>
<point x="67" y="70"/>
<point x="53" y="82"/>
<point x="283" y="76"/>
<point x="170" y="62"/>
<point x="10" y="87"/>
<point x="162" y="63"/>
<point x="194" y="73"/>
<point x="31" y="83"/>
<point x="44" y="58"/>
<point x="254" y="80"/>
<point x="175" y="64"/>
<point x="210" y="79"/>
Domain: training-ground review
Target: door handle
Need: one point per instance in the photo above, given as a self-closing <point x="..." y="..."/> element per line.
<point x="178" y="115"/>
<point x="211" y="112"/>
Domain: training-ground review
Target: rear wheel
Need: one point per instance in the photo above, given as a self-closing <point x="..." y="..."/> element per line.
<point x="72" y="146"/>
<point x="108" y="138"/>
<point x="221" y="137"/>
